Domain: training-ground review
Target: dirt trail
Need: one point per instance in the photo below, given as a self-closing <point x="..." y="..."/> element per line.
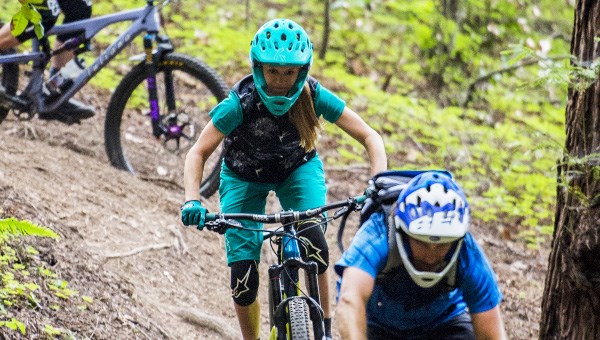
<point x="122" y="242"/>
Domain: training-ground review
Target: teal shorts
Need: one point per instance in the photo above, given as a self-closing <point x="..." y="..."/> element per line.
<point x="304" y="189"/>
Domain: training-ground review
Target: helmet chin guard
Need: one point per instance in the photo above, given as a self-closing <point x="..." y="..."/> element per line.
<point x="424" y="279"/>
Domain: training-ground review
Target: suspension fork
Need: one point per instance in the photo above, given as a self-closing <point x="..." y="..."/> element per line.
<point x="151" y="71"/>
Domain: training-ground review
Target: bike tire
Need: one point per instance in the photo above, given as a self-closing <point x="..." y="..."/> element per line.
<point x="299" y="319"/>
<point x="129" y="142"/>
<point x="9" y="81"/>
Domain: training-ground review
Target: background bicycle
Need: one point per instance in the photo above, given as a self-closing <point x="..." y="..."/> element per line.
<point x="153" y="114"/>
<point x="292" y="306"/>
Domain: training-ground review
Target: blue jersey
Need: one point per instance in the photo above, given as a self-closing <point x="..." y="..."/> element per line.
<point x="403" y="305"/>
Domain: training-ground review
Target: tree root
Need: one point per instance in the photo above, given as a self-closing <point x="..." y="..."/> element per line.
<point x="138" y="250"/>
<point x="201" y="319"/>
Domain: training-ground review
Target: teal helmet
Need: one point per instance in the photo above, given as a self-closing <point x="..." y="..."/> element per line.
<point x="280" y="42"/>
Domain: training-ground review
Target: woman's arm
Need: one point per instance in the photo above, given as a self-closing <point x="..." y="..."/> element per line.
<point x="351" y="312"/>
<point x="356" y="127"/>
<point x="489" y="325"/>
<point x="207" y="142"/>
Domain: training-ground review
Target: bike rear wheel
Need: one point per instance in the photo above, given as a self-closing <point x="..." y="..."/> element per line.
<point x="9" y="83"/>
<point x="129" y="140"/>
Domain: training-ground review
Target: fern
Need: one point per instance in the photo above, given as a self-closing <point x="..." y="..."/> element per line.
<point x="14" y="227"/>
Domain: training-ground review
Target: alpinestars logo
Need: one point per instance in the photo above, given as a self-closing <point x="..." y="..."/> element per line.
<point x="242" y="285"/>
<point x="312" y="251"/>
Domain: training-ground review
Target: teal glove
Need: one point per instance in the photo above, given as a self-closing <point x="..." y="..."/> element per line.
<point x="193" y="213"/>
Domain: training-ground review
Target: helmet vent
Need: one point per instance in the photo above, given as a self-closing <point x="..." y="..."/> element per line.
<point x="418" y="201"/>
<point x="268" y="34"/>
<point x="283" y="37"/>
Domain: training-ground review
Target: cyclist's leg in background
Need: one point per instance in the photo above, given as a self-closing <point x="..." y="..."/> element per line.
<point x="304" y="189"/>
<point x="6" y="38"/>
<point x="49" y="15"/>
<point x="243" y="246"/>
<point x="73" y="10"/>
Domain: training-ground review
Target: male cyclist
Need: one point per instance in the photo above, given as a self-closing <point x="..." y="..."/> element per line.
<point x="442" y="286"/>
<point x="72" y="111"/>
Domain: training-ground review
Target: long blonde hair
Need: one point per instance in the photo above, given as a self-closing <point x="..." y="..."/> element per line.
<point x="304" y="118"/>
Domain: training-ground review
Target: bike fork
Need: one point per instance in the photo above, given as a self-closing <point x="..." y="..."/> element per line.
<point x="151" y="71"/>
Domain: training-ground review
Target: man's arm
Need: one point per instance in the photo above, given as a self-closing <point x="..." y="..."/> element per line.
<point x="351" y="313"/>
<point x="489" y="325"/>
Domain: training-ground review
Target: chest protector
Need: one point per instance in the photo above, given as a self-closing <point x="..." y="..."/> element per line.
<point x="264" y="148"/>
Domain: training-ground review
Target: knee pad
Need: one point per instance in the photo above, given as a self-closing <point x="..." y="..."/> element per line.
<point x="244" y="282"/>
<point x="313" y="246"/>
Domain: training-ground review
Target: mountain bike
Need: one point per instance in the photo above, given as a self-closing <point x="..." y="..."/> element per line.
<point x="291" y="310"/>
<point x="154" y="113"/>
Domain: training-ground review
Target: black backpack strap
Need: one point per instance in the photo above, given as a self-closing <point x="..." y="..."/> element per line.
<point x="393" y="260"/>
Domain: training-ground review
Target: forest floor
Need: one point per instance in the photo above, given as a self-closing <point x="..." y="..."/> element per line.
<point x="122" y="242"/>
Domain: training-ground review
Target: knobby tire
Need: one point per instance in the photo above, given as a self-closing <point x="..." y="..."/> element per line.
<point x="299" y="319"/>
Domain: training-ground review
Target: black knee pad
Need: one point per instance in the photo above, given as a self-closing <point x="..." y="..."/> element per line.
<point x="313" y="246"/>
<point x="244" y="282"/>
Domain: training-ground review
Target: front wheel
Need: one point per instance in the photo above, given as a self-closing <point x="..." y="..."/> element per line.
<point x="187" y="90"/>
<point x="299" y="319"/>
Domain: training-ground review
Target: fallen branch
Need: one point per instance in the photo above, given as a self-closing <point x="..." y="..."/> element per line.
<point x="139" y="250"/>
<point x="201" y="319"/>
<point x="162" y="181"/>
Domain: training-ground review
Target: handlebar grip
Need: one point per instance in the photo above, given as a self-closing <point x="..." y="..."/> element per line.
<point x="210" y="217"/>
<point x="361" y="199"/>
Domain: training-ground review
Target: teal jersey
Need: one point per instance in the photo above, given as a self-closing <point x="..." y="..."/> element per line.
<point x="260" y="146"/>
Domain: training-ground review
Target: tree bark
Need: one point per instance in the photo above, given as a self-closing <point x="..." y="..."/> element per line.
<point x="571" y="301"/>
<point x="326" y="29"/>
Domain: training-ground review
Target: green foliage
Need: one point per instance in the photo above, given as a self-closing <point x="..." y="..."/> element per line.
<point x="24" y="280"/>
<point x="479" y="90"/>
<point x="13" y="226"/>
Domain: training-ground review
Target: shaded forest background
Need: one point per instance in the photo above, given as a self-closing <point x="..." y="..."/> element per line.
<point x="476" y="87"/>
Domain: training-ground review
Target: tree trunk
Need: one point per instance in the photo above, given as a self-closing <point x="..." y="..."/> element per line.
<point x="571" y="301"/>
<point x="326" y="28"/>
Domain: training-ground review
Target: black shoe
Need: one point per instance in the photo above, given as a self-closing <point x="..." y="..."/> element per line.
<point x="70" y="112"/>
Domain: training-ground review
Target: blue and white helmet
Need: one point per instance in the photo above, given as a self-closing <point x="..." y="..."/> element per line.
<point x="433" y="209"/>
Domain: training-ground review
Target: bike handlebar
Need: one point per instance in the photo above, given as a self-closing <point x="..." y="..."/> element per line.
<point x="218" y="222"/>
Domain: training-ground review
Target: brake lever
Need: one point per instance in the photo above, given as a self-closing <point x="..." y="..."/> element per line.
<point x="340" y="212"/>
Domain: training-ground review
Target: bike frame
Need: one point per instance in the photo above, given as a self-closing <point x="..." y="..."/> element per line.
<point x="143" y="20"/>
<point x="284" y="279"/>
<point x="284" y="276"/>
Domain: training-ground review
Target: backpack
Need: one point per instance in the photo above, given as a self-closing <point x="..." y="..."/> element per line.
<point x="383" y="192"/>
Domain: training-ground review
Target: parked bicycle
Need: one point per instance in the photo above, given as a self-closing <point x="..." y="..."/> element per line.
<point x="153" y="114"/>
<point x="291" y="310"/>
